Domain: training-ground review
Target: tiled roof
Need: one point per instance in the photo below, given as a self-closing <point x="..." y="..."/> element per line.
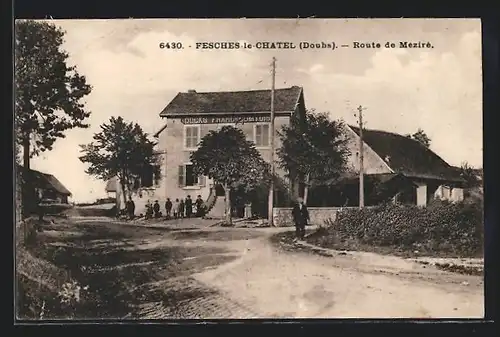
<point x="46" y="181"/>
<point x="407" y="156"/>
<point x="192" y="102"/>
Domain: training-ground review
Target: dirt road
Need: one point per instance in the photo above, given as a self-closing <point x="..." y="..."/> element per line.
<point x="190" y="270"/>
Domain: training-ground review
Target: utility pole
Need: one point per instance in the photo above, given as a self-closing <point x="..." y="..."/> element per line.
<point x="361" y="164"/>
<point x="271" y="187"/>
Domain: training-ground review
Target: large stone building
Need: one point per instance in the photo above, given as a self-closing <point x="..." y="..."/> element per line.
<point x="190" y="116"/>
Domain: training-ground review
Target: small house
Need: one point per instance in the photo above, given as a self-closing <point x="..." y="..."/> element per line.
<point x="395" y="167"/>
<point x="47" y="186"/>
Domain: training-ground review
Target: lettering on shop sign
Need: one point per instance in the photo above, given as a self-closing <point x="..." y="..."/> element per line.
<point x="224" y="120"/>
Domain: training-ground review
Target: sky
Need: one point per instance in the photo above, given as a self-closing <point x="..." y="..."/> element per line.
<point x="436" y="89"/>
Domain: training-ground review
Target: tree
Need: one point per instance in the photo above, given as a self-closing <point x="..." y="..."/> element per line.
<point x="313" y="149"/>
<point x="421" y="137"/>
<point x="48" y="93"/>
<point x="470" y="175"/>
<point x="121" y="150"/>
<point x="232" y="161"/>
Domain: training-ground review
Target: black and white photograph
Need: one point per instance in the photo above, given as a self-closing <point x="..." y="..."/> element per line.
<point x="173" y="169"/>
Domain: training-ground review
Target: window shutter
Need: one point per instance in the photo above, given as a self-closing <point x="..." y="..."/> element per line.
<point x="202" y="181"/>
<point x="197" y="137"/>
<point x="187" y="140"/>
<point x="266" y="130"/>
<point x="147" y="176"/>
<point x="181" y="176"/>
<point x="157" y="176"/>
<point x="257" y="135"/>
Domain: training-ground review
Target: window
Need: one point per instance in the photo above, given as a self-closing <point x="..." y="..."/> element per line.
<point x="148" y="177"/>
<point x="187" y="178"/>
<point x="191" y="136"/>
<point x="191" y="179"/>
<point x="262" y="135"/>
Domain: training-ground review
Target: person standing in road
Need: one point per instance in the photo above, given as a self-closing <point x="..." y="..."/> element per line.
<point x="149" y="210"/>
<point x="181" y="208"/>
<point x="156" y="209"/>
<point x="168" y="208"/>
<point x="189" y="206"/>
<point x="300" y="217"/>
<point x="199" y="206"/>
<point x="175" y="208"/>
<point x="130" y="208"/>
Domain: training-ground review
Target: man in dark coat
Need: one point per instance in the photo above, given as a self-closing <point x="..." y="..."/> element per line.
<point x="149" y="210"/>
<point x="300" y="217"/>
<point x="199" y="206"/>
<point x="189" y="206"/>
<point x="168" y="208"/>
<point x="156" y="209"/>
<point x="130" y="208"/>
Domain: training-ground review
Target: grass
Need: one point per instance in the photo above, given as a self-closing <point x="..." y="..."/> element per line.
<point x="323" y="239"/>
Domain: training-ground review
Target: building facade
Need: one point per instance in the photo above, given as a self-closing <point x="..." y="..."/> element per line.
<point x="409" y="171"/>
<point x="191" y="115"/>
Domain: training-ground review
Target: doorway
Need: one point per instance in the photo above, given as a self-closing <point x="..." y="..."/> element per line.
<point x="219" y="191"/>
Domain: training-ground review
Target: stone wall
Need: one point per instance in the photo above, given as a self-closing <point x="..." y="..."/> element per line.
<point x="317" y="215"/>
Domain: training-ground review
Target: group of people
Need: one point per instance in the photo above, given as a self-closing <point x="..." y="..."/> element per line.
<point x="184" y="208"/>
<point x="187" y="208"/>
<point x="179" y="208"/>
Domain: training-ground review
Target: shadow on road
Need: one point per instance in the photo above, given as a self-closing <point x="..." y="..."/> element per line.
<point x="122" y="278"/>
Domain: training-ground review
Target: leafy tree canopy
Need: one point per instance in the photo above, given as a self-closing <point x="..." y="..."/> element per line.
<point x="120" y="150"/>
<point x="48" y="92"/>
<point x="470" y="175"/>
<point x="421" y="137"/>
<point x="227" y="157"/>
<point x="314" y="147"/>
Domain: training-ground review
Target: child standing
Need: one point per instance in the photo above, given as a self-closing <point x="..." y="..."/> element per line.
<point x="175" y="208"/>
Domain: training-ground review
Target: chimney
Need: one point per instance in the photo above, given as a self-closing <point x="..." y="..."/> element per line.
<point x="192" y="91"/>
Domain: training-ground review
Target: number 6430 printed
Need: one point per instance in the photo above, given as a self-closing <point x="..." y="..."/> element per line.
<point x="171" y="45"/>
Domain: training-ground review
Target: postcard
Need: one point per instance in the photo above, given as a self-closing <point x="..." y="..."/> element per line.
<point x="248" y="168"/>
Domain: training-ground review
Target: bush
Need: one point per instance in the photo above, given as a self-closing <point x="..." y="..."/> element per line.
<point x="34" y="301"/>
<point x="46" y="291"/>
<point x="442" y="228"/>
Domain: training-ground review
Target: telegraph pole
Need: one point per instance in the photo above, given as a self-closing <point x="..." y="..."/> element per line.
<point x="361" y="164"/>
<point x="271" y="187"/>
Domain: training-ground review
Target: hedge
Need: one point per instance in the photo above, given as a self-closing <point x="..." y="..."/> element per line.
<point x="441" y="228"/>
